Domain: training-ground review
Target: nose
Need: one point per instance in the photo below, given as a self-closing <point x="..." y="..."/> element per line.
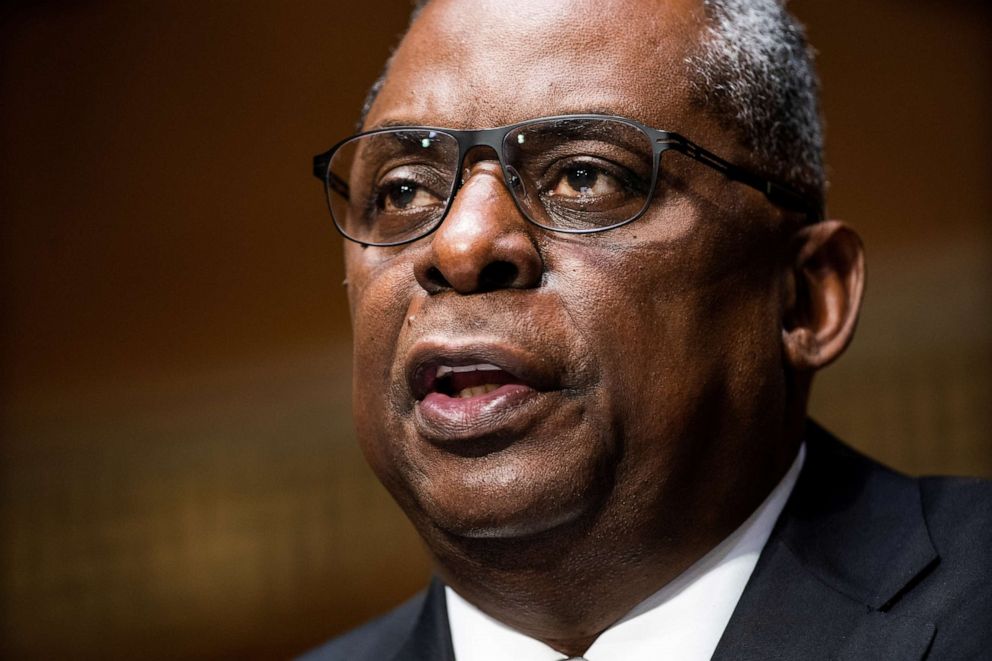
<point x="484" y="244"/>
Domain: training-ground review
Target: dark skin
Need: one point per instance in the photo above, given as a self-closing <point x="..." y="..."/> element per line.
<point x="668" y="361"/>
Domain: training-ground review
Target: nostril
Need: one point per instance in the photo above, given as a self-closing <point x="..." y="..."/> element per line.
<point x="497" y="275"/>
<point x="436" y="279"/>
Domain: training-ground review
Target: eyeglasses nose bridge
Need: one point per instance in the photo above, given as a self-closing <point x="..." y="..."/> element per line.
<point x="488" y="142"/>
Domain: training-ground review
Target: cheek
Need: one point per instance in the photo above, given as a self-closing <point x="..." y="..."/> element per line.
<point x="380" y="286"/>
<point x="674" y="325"/>
<point x="379" y="294"/>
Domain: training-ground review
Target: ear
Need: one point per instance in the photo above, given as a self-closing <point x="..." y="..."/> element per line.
<point x="824" y="287"/>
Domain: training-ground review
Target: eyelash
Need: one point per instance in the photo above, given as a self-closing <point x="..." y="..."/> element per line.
<point x="622" y="175"/>
<point x="382" y="189"/>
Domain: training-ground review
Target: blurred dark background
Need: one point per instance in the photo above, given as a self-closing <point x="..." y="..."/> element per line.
<point x="178" y="476"/>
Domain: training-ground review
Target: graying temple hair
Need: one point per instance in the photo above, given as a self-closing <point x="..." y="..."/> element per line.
<point x="753" y="70"/>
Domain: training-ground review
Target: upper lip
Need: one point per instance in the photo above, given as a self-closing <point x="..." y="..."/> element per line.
<point x="532" y="369"/>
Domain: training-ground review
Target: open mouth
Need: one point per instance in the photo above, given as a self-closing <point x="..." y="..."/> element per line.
<point x="471" y="390"/>
<point x="474" y="370"/>
<point x="467" y="381"/>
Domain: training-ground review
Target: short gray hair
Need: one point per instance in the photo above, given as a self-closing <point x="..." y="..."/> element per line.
<point x="754" y="71"/>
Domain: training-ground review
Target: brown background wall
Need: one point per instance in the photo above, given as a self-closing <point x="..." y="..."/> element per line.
<point x="178" y="470"/>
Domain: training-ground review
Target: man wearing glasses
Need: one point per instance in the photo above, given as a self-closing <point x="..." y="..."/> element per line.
<point x="590" y="282"/>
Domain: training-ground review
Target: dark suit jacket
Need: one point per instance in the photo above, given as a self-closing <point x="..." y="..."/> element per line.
<point x="864" y="563"/>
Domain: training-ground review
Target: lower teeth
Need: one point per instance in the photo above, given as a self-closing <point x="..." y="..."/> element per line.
<point x="475" y="391"/>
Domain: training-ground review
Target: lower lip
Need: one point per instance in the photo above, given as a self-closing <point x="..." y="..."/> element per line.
<point x="508" y="409"/>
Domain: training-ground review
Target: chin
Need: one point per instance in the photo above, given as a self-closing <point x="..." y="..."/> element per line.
<point x="531" y="483"/>
<point x="516" y="509"/>
<point x="513" y="526"/>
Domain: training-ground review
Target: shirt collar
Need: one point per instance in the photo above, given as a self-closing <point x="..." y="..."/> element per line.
<point x="683" y="620"/>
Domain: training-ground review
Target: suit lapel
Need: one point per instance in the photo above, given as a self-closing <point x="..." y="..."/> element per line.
<point x="851" y="540"/>
<point x="430" y="638"/>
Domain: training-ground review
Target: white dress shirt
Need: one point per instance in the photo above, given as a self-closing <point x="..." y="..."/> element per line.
<point x="683" y="620"/>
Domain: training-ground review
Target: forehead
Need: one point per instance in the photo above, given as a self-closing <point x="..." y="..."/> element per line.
<point x="479" y="63"/>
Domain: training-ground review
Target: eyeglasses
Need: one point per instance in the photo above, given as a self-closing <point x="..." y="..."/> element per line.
<point x="572" y="173"/>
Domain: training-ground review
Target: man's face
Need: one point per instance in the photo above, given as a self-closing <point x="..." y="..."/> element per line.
<point x="636" y="366"/>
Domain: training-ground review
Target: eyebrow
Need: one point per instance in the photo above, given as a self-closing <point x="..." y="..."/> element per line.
<point x="392" y="123"/>
<point x="597" y="110"/>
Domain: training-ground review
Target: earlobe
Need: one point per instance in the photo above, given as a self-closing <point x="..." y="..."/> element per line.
<point x="822" y="294"/>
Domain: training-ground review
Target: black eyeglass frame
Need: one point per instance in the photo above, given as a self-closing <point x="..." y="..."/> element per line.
<point x="779" y="194"/>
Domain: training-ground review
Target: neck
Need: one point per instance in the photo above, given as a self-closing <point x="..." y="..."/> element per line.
<point x="560" y="587"/>
<point x="567" y="585"/>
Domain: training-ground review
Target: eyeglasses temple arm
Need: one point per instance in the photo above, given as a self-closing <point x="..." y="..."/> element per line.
<point x="321" y="170"/>
<point x="779" y="194"/>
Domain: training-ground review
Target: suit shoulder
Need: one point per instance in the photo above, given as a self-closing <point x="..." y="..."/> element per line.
<point x="958" y="511"/>
<point x="378" y="639"/>
<point x="957" y="595"/>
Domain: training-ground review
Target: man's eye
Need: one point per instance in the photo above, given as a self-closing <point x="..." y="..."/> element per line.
<point x="580" y="181"/>
<point x="405" y="195"/>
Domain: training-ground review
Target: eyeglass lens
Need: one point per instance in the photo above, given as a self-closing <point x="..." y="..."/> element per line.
<point x="572" y="175"/>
